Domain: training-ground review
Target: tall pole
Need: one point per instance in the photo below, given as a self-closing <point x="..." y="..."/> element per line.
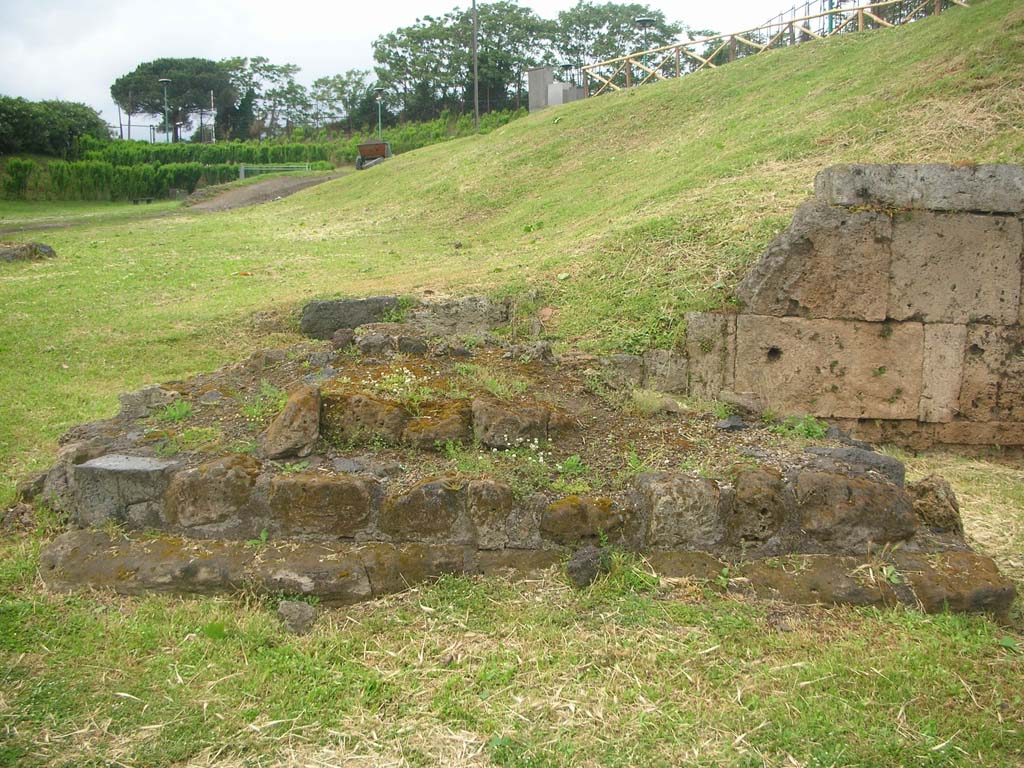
<point x="476" y="71"/>
<point x="167" y="119"/>
<point x="213" y="120"/>
<point x="379" y="96"/>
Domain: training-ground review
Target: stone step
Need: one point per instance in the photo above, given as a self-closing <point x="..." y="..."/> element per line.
<point x="810" y="508"/>
<point x="349" y="573"/>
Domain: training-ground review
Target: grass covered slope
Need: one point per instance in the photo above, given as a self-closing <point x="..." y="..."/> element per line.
<point x="651" y="201"/>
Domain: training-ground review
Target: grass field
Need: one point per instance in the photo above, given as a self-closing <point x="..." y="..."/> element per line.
<point x="646" y="204"/>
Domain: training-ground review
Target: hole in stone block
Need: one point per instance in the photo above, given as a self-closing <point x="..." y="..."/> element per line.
<point x="774" y="353"/>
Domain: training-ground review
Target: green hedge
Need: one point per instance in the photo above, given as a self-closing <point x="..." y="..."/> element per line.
<point x="140" y="153"/>
<point x="96" y="180"/>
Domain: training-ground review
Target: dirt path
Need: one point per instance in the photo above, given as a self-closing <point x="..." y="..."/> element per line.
<point x="261" y="192"/>
<point x="214" y="200"/>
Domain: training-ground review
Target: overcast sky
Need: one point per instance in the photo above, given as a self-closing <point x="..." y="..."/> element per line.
<point x="75" y="49"/>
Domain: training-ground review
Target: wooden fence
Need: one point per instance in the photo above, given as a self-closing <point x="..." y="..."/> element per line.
<point x="685" y="58"/>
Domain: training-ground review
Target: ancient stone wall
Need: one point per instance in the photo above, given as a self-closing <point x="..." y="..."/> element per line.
<point x="892" y="305"/>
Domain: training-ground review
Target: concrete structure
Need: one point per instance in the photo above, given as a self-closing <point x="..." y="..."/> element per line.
<point x="544" y="91"/>
<point x="892" y="305"/>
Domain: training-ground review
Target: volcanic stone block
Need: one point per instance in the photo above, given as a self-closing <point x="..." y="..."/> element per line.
<point x="451" y="422"/>
<point x="500" y="425"/>
<point x="993" y="378"/>
<point x="320" y="319"/>
<point x="823" y="579"/>
<point x="761" y="502"/>
<point x="296" y="429"/>
<point x="665" y="370"/>
<point x="848" y="515"/>
<point x="490" y="504"/>
<point x="336" y="576"/>
<point x="956" y="581"/>
<point x="26" y="252"/>
<point x="979" y="433"/>
<point x="351" y="416"/>
<point x="471" y="315"/>
<point x="858" y="462"/>
<point x="831" y="368"/>
<point x="682" y="512"/>
<point x="936" y="506"/>
<point x="428" y="511"/>
<point x="576" y="519"/>
<point x="711" y="348"/>
<point x="944" y="347"/>
<point x="220" y="491"/>
<point x="144" y="402"/>
<point x="830" y="263"/>
<point x="304" y="504"/>
<point x="937" y="187"/>
<point x="392" y="568"/>
<point x="120" y="488"/>
<point x="955" y="268"/>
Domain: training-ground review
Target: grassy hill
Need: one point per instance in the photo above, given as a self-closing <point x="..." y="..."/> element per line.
<point x="647" y="203"/>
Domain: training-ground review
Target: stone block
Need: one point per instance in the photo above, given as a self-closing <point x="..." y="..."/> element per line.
<point x="468" y="316"/>
<point x="353" y="416"/>
<point x="710" y="347"/>
<point x="490" y="505"/>
<point x="429" y="511"/>
<point x="577" y="519"/>
<point x="336" y="576"/>
<point x="957" y="581"/>
<point x="507" y="425"/>
<point x="307" y="504"/>
<point x="623" y="371"/>
<point x="217" y="492"/>
<point x="681" y="511"/>
<point x="123" y="489"/>
<point x="393" y="568"/>
<point x="936" y="187"/>
<point x="944" y="346"/>
<point x="830" y="263"/>
<point x="831" y="368"/>
<point x="320" y="319"/>
<point x="144" y="402"/>
<point x="955" y="268"/>
<point x="450" y="422"/>
<point x="761" y="503"/>
<point x="26" y="252"/>
<point x="1008" y="433"/>
<point x="295" y="430"/>
<point x="849" y="515"/>
<point x="666" y="370"/>
<point x="993" y="374"/>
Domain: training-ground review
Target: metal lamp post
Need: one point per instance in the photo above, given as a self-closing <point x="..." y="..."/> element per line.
<point x="378" y="95"/>
<point x="645" y="23"/>
<point x="476" y="70"/>
<point x="167" y="120"/>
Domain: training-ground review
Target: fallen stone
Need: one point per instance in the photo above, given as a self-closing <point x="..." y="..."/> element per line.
<point x="211" y="397"/>
<point x="350" y="417"/>
<point x="18" y="517"/>
<point x="30" y="487"/>
<point x="26" y="252"/>
<point x="320" y="319"/>
<point x="761" y="504"/>
<point x="297" y="616"/>
<point x="375" y="343"/>
<point x="452" y="423"/>
<point x="343" y="338"/>
<point x="412" y="345"/>
<point x="469" y="316"/>
<point x="936" y="505"/>
<point x="666" y="370"/>
<point x="733" y="423"/>
<point x="122" y="489"/>
<point x="586" y="565"/>
<point x="835" y="433"/>
<point x="296" y="429"/>
<point x="857" y="461"/>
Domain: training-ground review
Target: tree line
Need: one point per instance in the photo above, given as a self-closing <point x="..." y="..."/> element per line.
<point x="424" y="70"/>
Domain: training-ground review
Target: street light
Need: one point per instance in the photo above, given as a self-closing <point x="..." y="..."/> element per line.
<point x="378" y="95"/>
<point x="167" y="121"/>
<point x="645" y="23"/>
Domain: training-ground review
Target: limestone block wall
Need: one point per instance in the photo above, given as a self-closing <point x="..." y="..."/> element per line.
<point x="893" y="304"/>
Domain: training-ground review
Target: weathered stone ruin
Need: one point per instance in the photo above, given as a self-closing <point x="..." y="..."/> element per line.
<point x="396" y="458"/>
<point x="421" y="440"/>
<point x="892" y="306"/>
<point x="25" y="251"/>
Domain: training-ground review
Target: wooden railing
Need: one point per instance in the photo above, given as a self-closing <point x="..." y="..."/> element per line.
<point x="680" y="59"/>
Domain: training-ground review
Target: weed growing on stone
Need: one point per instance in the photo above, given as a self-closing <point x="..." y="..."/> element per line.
<point x="267" y="403"/>
<point x="406" y="387"/>
<point x="294" y="467"/>
<point x="801" y="426"/>
<point x="498" y="383"/>
<point x="179" y="410"/>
